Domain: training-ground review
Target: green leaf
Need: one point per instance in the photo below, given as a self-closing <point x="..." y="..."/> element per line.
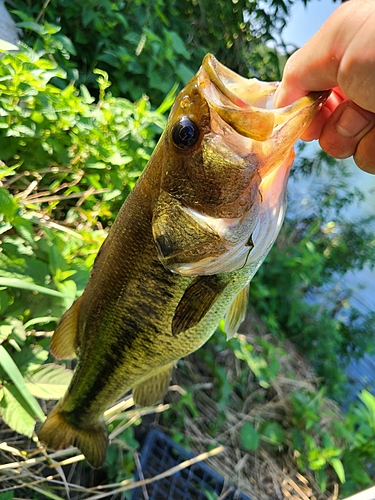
<point x="32" y="26"/>
<point x="14" y="413"/>
<point x="8" y="205"/>
<point x="321" y="478"/>
<point x="15" y="376"/>
<point x="5" y="331"/>
<point x="249" y="437"/>
<point x="7" y="46"/>
<point x="27" y="285"/>
<point x="178" y="44"/>
<point x="369" y="400"/>
<point x="168" y="100"/>
<point x="297" y="440"/>
<point x="30" y="358"/>
<point x="273" y="433"/>
<point x="86" y="96"/>
<point x="338" y="468"/>
<point x="7" y="171"/>
<point x="40" y="321"/>
<point x="69" y="289"/>
<point x="7" y="495"/>
<point x="210" y="495"/>
<point x="317" y="463"/>
<point x="184" y="73"/>
<point x="49" y="381"/>
<point x="24" y="228"/>
<point x="5" y="227"/>
<point x="18" y="330"/>
<point x="257" y="364"/>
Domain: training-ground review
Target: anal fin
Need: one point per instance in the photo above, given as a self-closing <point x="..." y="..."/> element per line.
<point x="64" y="340"/>
<point x="153" y="389"/>
<point x="236" y="312"/>
<point x="196" y="302"/>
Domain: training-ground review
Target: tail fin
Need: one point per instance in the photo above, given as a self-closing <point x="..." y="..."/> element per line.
<point x="58" y="434"/>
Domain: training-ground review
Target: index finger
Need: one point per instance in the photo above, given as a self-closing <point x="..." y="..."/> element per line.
<point x="316" y="66"/>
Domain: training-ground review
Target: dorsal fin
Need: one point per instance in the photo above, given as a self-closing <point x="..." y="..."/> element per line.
<point x="236" y="312"/>
<point x="64" y="340"/>
<point x="196" y="302"/>
<point x="154" y="388"/>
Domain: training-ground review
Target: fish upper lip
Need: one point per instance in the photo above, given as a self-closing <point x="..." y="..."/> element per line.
<point x="217" y="72"/>
<point x="250" y="111"/>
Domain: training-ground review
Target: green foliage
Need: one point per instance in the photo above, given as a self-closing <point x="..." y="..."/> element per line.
<point x="272" y="433"/>
<point x="359" y="431"/>
<point x="315" y="445"/>
<point x="265" y="366"/>
<point x="8" y="495"/>
<point x="147" y="46"/>
<point x="249" y="437"/>
<point x="61" y="146"/>
<point x="295" y="290"/>
<point x="120" y="462"/>
<point x="309" y="427"/>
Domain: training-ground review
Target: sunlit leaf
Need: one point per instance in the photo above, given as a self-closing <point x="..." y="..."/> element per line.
<point x="369" y="400"/>
<point x="27" y="285"/>
<point x="5" y="331"/>
<point x="49" y="381"/>
<point x="338" y="468"/>
<point x="14" y="413"/>
<point x="30" y="358"/>
<point x="15" y="376"/>
<point x="40" y="321"/>
<point x="5" y="45"/>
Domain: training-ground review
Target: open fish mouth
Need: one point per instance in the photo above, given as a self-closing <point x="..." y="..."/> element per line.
<point x="247" y="104"/>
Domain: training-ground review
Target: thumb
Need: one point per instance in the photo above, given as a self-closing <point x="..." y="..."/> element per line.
<point x="345" y="129"/>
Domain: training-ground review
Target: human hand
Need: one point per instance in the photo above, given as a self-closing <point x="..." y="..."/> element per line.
<point x="340" y="56"/>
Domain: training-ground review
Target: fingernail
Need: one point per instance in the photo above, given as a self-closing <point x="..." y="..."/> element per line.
<point x="281" y="99"/>
<point x="276" y="97"/>
<point x="351" y="122"/>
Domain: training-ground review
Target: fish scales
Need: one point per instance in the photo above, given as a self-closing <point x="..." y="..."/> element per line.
<point x="182" y="251"/>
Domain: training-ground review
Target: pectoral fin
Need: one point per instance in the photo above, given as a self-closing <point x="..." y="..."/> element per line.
<point x="196" y="302"/>
<point x="236" y="312"/>
<point x="154" y="388"/>
<point x="64" y="340"/>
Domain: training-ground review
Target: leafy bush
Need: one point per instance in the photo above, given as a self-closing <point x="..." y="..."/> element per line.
<point x="148" y="46"/>
<point x="65" y="145"/>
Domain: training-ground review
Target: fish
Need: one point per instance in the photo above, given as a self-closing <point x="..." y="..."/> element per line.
<point x="182" y="250"/>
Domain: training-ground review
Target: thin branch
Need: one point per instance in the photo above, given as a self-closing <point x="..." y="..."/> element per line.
<point x="38" y="199"/>
<point x="169" y="472"/>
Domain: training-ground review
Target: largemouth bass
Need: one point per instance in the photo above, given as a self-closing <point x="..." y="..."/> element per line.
<point x="182" y="251"/>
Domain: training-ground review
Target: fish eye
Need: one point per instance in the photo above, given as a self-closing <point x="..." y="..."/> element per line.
<point x="185" y="133"/>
